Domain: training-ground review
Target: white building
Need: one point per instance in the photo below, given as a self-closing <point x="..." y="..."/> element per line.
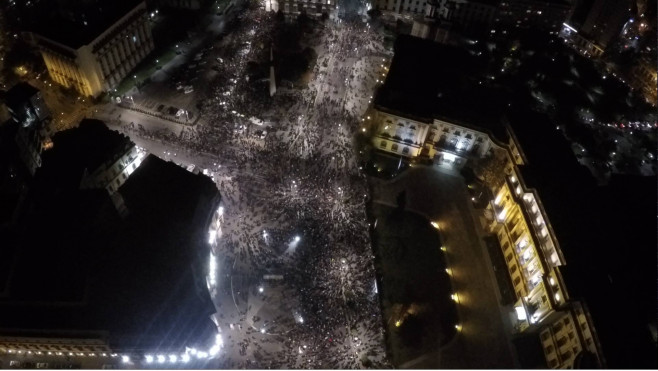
<point x="443" y="141"/>
<point x="93" y="63"/>
<point x="520" y="223"/>
<point x="313" y="8"/>
<point x="405" y="7"/>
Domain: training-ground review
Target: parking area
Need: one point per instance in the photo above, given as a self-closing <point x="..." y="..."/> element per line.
<point x="174" y="81"/>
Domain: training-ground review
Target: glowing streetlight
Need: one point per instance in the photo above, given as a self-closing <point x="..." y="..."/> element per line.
<point x="185" y="358"/>
<point x="125" y="359"/>
<point x="297" y="238"/>
<point x="149" y="358"/>
<point x="260" y="289"/>
<point x="161" y="358"/>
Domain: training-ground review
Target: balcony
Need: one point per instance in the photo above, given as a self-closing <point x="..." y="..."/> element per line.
<point x="451" y="148"/>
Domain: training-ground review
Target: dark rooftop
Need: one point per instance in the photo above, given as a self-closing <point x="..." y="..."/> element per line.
<point x="80" y="267"/>
<point x="429" y="80"/>
<point x="86" y="147"/>
<point x="18" y="94"/>
<point x="80" y="23"/>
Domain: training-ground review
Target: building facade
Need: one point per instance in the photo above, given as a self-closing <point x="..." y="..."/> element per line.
<point x="643" y="77"/>
<point x="56" y="352"/>
<point x="100" y="65"/>
<point x="438" y="140"/>
<point x="543" y="15"/>
<point x="605" y="20"/>
<point x="406" y="7"/>
<point x="534" y="260"/>
<point x="313" y="8"/>
<point x="28" y="108"/>
<point x="583" y="44"/>
<point x="111" y="174"/>
<point x="518" y="220"/>
<point x="467" y="15"/>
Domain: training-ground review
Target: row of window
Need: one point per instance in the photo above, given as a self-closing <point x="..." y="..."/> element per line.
<point x="394" y="147"/>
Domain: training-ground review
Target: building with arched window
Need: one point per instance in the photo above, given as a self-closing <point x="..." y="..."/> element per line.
<point x="579" y="257"/>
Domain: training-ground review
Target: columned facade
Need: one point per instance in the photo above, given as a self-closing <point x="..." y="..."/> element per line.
<point x="444" y="142"/>
<point x="100" y="65"/>
<point x="311" y="7"/>
<point x="518" y="219"/>
<point x="534" y="259"/>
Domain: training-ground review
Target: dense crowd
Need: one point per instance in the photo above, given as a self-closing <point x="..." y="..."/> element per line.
<point x="302" y="180"/>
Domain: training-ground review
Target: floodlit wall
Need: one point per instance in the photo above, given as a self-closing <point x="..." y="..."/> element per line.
<point x="444" y="142"/>
<point x="103" y="63"/>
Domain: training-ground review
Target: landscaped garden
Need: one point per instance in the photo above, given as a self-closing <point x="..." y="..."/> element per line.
<point x="415" y="288"/>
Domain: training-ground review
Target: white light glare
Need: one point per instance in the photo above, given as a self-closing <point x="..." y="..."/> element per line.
<point x="161" y="358"/>
<point x="202" y="355"/>
<point x="185" y="358"/>
<point x="260" y="289"/>
<point x="173" y="358"/>
<point x="125" y="359"/>
<point x="149" y="358"/>
<point x="297" y="238"/>
<point x="213" y="235"/>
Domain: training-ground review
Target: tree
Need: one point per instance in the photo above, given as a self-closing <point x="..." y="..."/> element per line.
<point x="412" y="332"/>
<point x="491" y="169"/>
<point x="280" y="17"/>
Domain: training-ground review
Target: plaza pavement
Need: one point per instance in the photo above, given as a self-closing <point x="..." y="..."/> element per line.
<point x="441" y="195"/>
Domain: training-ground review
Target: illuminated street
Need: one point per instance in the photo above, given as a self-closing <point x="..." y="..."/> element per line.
<point x="300" y="180"/>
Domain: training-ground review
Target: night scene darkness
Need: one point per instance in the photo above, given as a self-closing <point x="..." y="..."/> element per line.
<point x="328" y="184"/>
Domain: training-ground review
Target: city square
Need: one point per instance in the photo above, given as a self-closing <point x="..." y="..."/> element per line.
<point x="291" y="184"/>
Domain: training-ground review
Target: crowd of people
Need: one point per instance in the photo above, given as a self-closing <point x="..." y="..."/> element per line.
<point x="295" y="200"/>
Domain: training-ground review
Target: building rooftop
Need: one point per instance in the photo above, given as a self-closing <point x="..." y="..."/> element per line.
<point x="429" y="80"/>
<point x="19" y="94"/>
<point x="78" y="266"/>
<point x="75" y="24"/>
<point x="87" y="147"/>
